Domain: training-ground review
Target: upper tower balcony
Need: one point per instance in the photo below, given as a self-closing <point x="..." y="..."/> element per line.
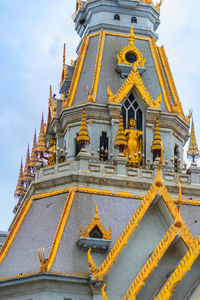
<point x="116" y="16"/>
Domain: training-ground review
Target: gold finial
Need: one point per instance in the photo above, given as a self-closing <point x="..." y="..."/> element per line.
<point x="131" y="36"/>
<point x="156" y="147"/>
<point x="158" y="181"/>
<point x="121" y="141"/>
<point x="193" y="151"/>
<point x="41" y="144"/>
<point x="27" y="172"/>
<point x="50" y="95"/>
<point x="178" y="219"/>
<point x="64" y="71"/>
<point x="83" y="136"/>
<point x="104" y="295"/>
<point x="158" y="5"/>
<point x="43" y="260"/>
<point x="20" y="182"/>
<point x="34" y="157"/>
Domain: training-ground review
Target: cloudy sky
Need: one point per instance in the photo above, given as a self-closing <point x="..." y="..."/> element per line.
<point x="32" y="36"/>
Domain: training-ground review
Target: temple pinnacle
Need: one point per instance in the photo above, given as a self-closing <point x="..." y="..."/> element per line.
<point x="193" y="151"/>
<point x="83" y="137"/>
<point x="34" y="157"/>
<point x="26" y="174"/>
<point x="41" y="145"/>
<point x="20" y="182"/>
<point x="121" y="141"/>
<point x="156" y="146"/>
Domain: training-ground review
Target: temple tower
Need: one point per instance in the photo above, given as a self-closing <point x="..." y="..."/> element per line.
<point x="107" y="208"/>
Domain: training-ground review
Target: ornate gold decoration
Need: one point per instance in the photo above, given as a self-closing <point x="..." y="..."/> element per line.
<point x="41" y="147"/>
<point x="52" y="152"/>
<point x="156" y="146"/>
<point x="158" y="5"/>
<point x="34" y="157"/>
<point x="178" y="219"/>
<point x="60" y="229"/>
<point x="14" y="228"/>
<point x="179" y="273"/>
<point x="77" y="72"/>
<point x="133" y="79"/>
<point x="27" y="173"/>
<point x="184" y="233"/>
<point x="140" y="61"/>
<point x="193" y="151"/>
<point x="20" y="183"/>
<point x="91" y="263"/>
<point x="104" y="295"/>
<point x="83" y="136"/>
<point x="43" y="260"/>
<point x="124" y="237"/>
<point x="92" y="96"/>
<point x="96" y="222"/>
<point x="134" y="144"/>
<point x="151" y="264"/>
<point x="121" y="141"/>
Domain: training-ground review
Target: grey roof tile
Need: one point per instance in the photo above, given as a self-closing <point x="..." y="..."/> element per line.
<point x="113" y="211"/>
<point x="37" y="230"/>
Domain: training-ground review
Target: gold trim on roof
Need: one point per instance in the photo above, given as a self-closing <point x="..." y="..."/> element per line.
<point x="121" y="58"/>
<point x="60" y="229"/>
<point x="77" y="73"/>
<point x="14" y="228"/>
<point x="96" y="222"/>
<point x="179" y="273"/>
<point x="92" y="96"/>
<point x="133" y="80"/>
<point x="151" y="264"/>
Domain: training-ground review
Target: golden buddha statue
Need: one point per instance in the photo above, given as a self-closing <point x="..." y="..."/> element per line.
<point x="52" y="153"/>
<point x="134" y="144"/>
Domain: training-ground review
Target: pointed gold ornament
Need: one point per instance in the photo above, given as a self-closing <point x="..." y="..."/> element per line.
<point x="193" y="151"/>
<point x="20" y="182"/>
<point x="83" y="136"/>
<point x="121" y="141"/>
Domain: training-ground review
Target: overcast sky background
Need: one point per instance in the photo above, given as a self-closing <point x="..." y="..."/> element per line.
<point x="32" y="33"/>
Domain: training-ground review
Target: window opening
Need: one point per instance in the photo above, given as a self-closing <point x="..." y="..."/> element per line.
<point x="133" y="20"/>
<point x="117" y="17"/>
<point x="104" y="147"/>
<point x="131" y="109"/>
<point x="96" y="233"/>
<point x="176" y="158"/>
<point x="77" y="146"/>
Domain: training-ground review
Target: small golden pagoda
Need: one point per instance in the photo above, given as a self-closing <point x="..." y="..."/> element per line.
<point x="121" y="141"/>
<point x="156" y="146"/>
<point x="41" y="144"/>
<point x="83" y="136"/>
<point x="193" y="151"/>
<point x="27" y="173"/>
<point x="33" y="158"/>
<point x="20" y="182"/>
